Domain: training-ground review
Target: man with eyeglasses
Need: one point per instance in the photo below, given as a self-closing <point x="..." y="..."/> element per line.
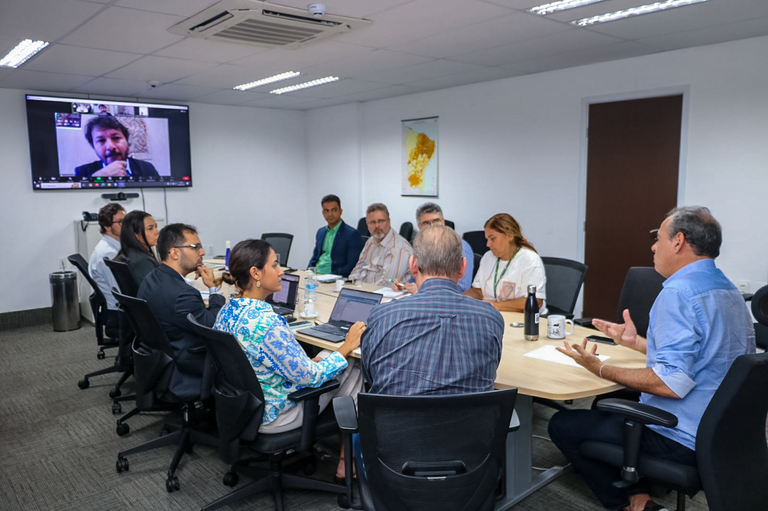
<point x="428" y="214"/>
<point x="171" y="299"/>
<point x="110" y="223"/>
<point x="385" y="254"/>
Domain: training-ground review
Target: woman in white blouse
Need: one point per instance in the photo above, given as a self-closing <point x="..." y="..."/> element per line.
<point x="508" y="268"/>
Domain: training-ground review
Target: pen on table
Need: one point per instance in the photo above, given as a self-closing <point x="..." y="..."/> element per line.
<point x="398" y="284"/>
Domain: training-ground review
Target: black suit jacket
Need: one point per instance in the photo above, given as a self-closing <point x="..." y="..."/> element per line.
<point x="139" y="168"/>
<point x="171" y="299"/>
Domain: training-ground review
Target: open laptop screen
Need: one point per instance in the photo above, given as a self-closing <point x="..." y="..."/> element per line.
<point x="354" y="305"/>
<point x="288" y="291"/>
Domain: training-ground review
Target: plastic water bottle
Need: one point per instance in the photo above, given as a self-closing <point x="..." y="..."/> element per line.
<point x="226" y="257"/>
<point x="310" y="292"/>
<point x="531" y="315"/>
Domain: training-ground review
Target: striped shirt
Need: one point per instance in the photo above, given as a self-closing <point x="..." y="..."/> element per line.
<point x="434" y="342"/>
<point x="380" y="262"/>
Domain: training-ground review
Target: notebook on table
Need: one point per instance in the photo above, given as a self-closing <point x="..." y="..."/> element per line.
<point x="283" y="302"/>
<point x="351" y="306"/>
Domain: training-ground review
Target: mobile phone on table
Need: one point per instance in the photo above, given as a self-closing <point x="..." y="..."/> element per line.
<point x="601" y="339"/>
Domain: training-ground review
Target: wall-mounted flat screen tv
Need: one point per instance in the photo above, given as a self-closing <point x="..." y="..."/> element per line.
<point x="77" y="143"/>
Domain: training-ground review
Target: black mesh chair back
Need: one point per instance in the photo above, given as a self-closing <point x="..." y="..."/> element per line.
<point x="450" y="224"/>
<point x="281" y="243"/>
<point x="123" y="277"/>
<point x="641" y="287"/>
<point x="406" y="231"/>
<point x="362" y="228"/>
<point x="477" y="258"/>
<point x="97" y="300"/>
<point x="731" y="449"/>
<point x="476" y="240"/>
<point x="144" y="322"/>
<point x="760" y="312"/>
<point x="564" y="280"/>
<point x="425" y="453"/>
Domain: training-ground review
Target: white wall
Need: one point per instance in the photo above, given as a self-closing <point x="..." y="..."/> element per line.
<point x="248" y="167"/>
<point x="516" y="145"/>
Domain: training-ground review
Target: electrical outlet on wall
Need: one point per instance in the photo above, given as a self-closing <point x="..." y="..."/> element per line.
<point x="743" y="286"/>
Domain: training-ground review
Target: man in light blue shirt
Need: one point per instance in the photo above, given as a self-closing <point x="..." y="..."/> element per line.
<point x="699" y="324"/>
<point x="110" y="223"/>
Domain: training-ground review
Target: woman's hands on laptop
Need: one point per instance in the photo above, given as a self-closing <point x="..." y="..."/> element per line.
<point x="352" y="341"/>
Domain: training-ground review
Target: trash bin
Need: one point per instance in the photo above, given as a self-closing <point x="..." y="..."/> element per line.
<point x="66" y="306"/>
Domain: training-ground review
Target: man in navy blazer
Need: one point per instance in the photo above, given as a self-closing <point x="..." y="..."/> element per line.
<point x="337" y="245"/>
<point x="171" y="299"/>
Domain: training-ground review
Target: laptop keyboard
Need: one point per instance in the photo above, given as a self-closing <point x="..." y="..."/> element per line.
<point x="331" y="329"/>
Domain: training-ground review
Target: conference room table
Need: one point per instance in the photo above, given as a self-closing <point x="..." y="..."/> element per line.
<point x="533" y="377"/>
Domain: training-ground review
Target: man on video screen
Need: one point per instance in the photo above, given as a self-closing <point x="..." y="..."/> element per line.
<point x="109" y="138"/>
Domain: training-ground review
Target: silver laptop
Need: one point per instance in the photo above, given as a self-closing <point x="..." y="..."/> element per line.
<point x="283" y="302"/>
<point x="351" y="306"/>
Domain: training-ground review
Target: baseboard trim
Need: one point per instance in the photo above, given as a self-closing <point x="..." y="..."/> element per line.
<point x="26" y="318"/>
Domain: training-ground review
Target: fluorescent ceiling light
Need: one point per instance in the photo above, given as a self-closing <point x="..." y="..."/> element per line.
<point x="634" y="11"/>
<point x="560" y="5"/>
<point x="305" y="85"/>
<point x="23" y="51"/>
<point x="271" y="79"/>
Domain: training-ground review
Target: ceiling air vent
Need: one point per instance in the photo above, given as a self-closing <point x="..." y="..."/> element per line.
<point x="264" y="24"/>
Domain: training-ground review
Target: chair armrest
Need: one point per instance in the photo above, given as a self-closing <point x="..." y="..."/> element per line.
<point x="638" y="412"/>
<point x="346" y="415"/>
<point x="309" y="393"/>
<point x="198" y="349"/>
<point x="586" y="322"/>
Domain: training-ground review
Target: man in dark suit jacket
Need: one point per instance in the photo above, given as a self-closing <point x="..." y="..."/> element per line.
<point x="171" y="299"/>
<point x="337" y="246"/>
<point x="109" y="139"/>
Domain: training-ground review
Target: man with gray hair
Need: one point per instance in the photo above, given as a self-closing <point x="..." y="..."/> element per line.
<point x="428" y="214"/>
<point x="699" y="324"/>
<point x="436" y="341"/>
<point x="385" y="255"/>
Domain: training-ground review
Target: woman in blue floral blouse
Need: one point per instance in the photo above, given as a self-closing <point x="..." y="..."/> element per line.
<point x="280" y="363"/>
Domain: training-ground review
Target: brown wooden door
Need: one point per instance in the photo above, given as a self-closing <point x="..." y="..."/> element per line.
<point x="633" y="154"/>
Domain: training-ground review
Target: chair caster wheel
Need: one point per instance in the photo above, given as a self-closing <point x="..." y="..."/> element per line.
<point x="172" y="484"/>
<point x="100" y="355"/>
<point x="115" y="393"/>
<point x="122" y="429"/>
<point x="83" y="384"/>
<point x="343" y="501"/>
<point x="230" y="479"/>
<point x="121" y="464"/>
<point x="116" y="408"/>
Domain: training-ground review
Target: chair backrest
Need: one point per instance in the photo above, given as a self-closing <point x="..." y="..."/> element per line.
<point x="362" y="228"/>
<point x="281" y="243"/>
<point x="731" y="448"/>
<point x="450" y="224"/>
<point x="434" y="452"/>
<point x="123" y="277"/>
<point x="238" y="393"/>
<point x="641" y="287"/>
<point x="406" y="231"/>
<point x="760" y="305"/>
<point x="476" y="240"/>
<point x="144" y="322"/>
<point x="476" y="267"/>
<point x="564" y="280"/>
<point x="97" y="300"/>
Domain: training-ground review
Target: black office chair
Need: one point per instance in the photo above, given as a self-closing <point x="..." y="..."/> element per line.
<point x="450" y="224"/>
<point x="239" y="410"/>
<point x="362" y="228"/>
<point x="425" y="453"/>
<point x="641" y="287"/>
<point x="406" y="231"/>
<point x="760" y="312"/>
<point x="476" y="267"/>
<point x="564" y="280"/>
<point x="105" y="337"/>
<point x="476" y="240"/>
<point x="155" y="369"/>
<point x="123" y="276"/>
<point x="281" y="243"/>
<point x="731" y="450"/>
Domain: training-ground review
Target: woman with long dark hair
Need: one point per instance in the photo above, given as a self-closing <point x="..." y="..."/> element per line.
<point x="137" y="237"/>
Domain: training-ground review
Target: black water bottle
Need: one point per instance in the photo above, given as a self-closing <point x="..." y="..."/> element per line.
<point x="531" y="314"/>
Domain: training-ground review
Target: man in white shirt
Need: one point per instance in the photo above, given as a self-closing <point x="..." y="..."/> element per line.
<point x="110" y="222"/>
<point x="385" y="254"/>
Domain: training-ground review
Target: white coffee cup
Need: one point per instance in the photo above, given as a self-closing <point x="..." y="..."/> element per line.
<point x="557" y="327"/>
<point x="338" y="285"/>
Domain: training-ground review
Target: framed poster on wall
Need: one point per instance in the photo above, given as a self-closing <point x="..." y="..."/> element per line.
<point x="419" y="172"/>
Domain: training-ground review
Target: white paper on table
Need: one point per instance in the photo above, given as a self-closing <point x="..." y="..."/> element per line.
<point x="357" y="351"/>
<point x="330" y="277"/>
<point x="388" y="293"/>
<point x="550" y="354"/>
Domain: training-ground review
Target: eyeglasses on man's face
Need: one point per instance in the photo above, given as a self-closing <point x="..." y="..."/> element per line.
<point x="194" y="246"/>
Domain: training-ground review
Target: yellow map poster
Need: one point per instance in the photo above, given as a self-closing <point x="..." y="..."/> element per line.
<point x="419" y="157"/>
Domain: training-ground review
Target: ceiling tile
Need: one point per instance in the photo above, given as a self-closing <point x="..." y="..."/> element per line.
<point x="186" y="8"/>
<point x="175" y="92"/>
<point x="126" y="30"/>
<point x="484" y="75"/>
<point x="623" y="50"/>
<point x="350" y="8"/>
<point x="212" y="51"/>
<point x="423" y="71"/>
<point x="297" y="60"/>
<point x="113" y="87"/>
<point x="59" y="58"/>
<point x="232" y="97"/>
<point x="709" y="35"/>
<point x="368" y="62"/>
<point x="43" y="19"/>
<point x="342" y="88"/>
<point x="23" y="79"/>
<point x="161" y="69"/>
<point x="226" y="76"/>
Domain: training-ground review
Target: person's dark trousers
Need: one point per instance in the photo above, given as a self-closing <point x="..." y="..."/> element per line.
<point x="112" y="320"/>
<point x="569" y="428"/>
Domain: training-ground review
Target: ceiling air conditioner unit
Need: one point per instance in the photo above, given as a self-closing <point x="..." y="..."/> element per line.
<point x="264" y="24"/>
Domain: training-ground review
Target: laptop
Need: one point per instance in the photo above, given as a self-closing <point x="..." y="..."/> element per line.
<point x="351" y="306"/>
<point x="283" y="302"/>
